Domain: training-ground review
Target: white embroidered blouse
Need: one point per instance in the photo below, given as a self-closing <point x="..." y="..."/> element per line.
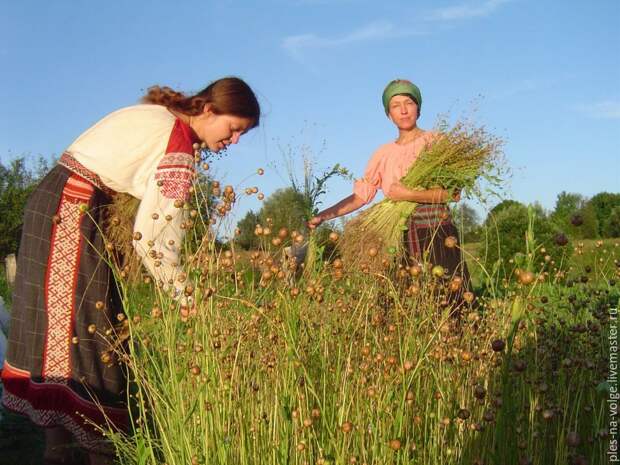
<point x="145" y="151"/>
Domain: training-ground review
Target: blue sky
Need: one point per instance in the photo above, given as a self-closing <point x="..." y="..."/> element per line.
<point x="542" y="74"/>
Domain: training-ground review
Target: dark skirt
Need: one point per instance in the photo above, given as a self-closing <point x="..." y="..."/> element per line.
<point x="65" y="313"/>
<point x="425" y="242"/>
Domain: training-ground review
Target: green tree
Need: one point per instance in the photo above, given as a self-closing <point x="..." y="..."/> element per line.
<point x="285" y="208"/>
<point x="566" y="205"/>
<point x="467" y="221"/>
<point x="612" y="228"/>
<point x="246" y="238"/>
<point x="603" y="203"/>
<point x="588" y="229"/>
<point x="506" y="233"/>
<point x="17" y="181"/>
<point x="498" y="208"/>
<point x="574" y="215"/>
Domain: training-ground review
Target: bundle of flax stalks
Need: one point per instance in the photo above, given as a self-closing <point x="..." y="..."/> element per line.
<point x="120" y="216"/>
<point x="459" y="158"/>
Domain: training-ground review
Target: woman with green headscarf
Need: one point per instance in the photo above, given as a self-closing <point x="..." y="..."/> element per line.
<point x="430" y="232"/>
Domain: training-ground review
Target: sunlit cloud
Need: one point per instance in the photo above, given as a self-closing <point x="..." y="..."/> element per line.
<point x="465" y="11"/>
<point x="524" y="86"/>
<point x="607" y="109"/>
<point x="297" y="45"/>
<point x="379" y="30"/>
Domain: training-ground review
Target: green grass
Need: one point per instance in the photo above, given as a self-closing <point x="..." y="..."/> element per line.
<point x="5" y="290"/>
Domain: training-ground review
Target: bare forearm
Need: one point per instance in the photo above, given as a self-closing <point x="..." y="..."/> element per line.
<point x="347" y="205"/>
<point x="400" y="192"/>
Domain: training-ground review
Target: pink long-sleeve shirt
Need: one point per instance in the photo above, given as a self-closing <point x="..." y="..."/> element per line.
<point x="388" y="165"/>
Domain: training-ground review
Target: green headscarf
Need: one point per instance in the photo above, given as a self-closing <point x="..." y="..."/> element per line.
<point x="401" y="86"/>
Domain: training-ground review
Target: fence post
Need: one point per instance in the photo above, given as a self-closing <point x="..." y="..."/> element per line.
<point x="11" y="268"/>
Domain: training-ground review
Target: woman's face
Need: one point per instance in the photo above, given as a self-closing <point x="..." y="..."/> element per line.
<point x="219" y="131"/>
<point x="403" y="112"/>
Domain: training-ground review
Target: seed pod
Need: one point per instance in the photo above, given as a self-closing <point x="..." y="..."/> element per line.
<point x="463" y="414"/>
<point x="415" y="270"/>
<point x="347" y="427"/>
<point x="438" y="271"/>
<point x="561" y="239"/>
<point x="498" y="345"/>
<point x="573" y="439"/>
<point x="395" y="444"/>
<point x="526" y="277"/>
<point x="519" y="365"/>
<point x="333" y="236"/>
<point x="455" y="284"/>
<point x="480" y="392"/>
<point x="450" y="242"/>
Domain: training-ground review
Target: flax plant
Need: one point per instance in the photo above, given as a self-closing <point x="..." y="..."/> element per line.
<point x="348" y="366"/>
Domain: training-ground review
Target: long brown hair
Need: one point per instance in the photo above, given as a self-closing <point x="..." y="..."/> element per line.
<point x="227" y="96"/>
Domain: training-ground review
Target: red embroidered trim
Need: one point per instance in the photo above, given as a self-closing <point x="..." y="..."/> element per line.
<point x="57" y="405"/>
<point x="68" y="161"/>
<point x="61" y="278"/>
<point x="175" y="171"/>
<point x="175" y="182"/>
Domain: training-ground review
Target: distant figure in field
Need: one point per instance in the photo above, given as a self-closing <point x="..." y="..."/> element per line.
<point x="58" y="369"/>
<point x="430" y="224"/>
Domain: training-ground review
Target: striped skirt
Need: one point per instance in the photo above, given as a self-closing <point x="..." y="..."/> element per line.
<point x="425" y="240"/>
<point x="65" y="313"/>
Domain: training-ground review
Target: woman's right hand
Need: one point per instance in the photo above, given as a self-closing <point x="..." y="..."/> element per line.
<point x="315" y="221"/>
<point x="447" y="196"/>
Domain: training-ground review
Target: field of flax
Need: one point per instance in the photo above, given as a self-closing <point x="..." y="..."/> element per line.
<point x="341" y="366"/>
